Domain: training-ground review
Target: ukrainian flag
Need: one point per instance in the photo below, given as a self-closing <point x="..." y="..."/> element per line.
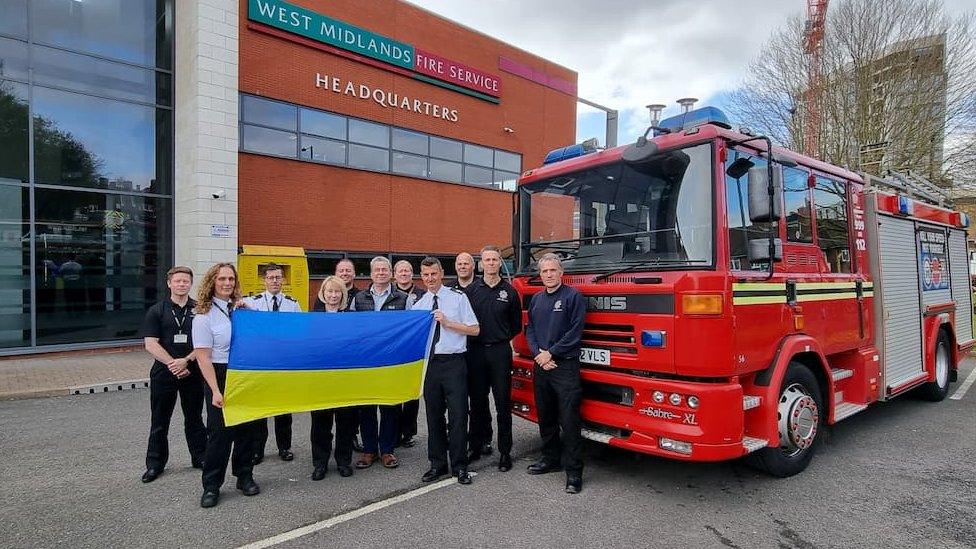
<point x="295" y="362"/>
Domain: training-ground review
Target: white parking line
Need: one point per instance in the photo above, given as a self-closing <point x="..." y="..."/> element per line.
<point x="356" y="513"/>
<point x="961" y="391"/>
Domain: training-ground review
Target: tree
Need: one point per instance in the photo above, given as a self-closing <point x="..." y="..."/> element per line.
<point x="896" y="91"/>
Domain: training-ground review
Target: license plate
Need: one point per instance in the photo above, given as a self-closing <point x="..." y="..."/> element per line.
<point x="595" y="356"/>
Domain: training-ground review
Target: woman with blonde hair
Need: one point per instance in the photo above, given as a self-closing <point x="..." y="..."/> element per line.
<point x="332" y="298"/>
<point x="219" y="293"/>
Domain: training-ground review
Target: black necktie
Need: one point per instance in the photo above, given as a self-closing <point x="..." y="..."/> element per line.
<point x="437" y="325"/>
<point x="274" y="303"/>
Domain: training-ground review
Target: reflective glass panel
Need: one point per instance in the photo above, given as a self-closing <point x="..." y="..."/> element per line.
<point x="445" y="171"/>
<point x="323" y="123"/>
<point x="86" y="141"/>
<point x="445" y="148"/>
<point x="268" y="113"/>
<point x="14" y="266"/>
<point x="796" y="196"/>
<point x="832" y="232"/>
<point x="505" y="180"/>
<point x="118" y="29"/>
<point x="408" y="141"/>
<point x="13" y="59"/>
<point x="267" y="141"/>
<point x="88" y="74"/>
<point x="323" y="150"/>
<point x="409" y="164"/>
<point x="369" y="158"/>
<point x="507" y="161"/>
<point x="369" y="133"/>
<point x="477" y="175"/>
<point x="480" y="156"/>
<point x="100" y="263"/>
<point x="14" y="145"/>
<point x="13" y="18"/>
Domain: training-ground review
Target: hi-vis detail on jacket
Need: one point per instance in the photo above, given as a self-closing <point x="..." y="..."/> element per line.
<point x="763" y="293"/>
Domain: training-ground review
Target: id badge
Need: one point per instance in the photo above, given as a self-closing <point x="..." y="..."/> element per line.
<point x="180" y="338"/>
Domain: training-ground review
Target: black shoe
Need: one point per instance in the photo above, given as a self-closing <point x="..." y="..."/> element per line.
<point x="248" y="487"/>
<point x="574" y="484"/>
<point x="258" y="458"/>
<point x="286" y="455"/>
<point x="486" y="449"/>
<point x="319" y="473"/>
<point x="433" y="474"/>
<point x="196" y="463"/>
<point x="209" y="498"/>
<point x="474" y="455"/>
<point x="463" y="476"/>
<point x="542" y="467"/>
<point x="344" y="470"/>
<point x="407" y="442"/>
<point x="151" y="474"/>
<point x="505" y="463"/>
<point x="357" y="445"/>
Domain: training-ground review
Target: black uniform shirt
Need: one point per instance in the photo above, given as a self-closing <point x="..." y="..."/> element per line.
<point x="351" y="295"/>
<point x="498" y="310"/>
<point x="556" y="322"/>
<point x="165" y="321"/>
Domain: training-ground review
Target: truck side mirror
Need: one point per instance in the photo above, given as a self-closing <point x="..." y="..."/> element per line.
<point x="759" y="250"/>
<point x="763" y="207"/>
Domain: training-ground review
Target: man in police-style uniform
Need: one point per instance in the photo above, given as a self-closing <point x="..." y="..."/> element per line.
<point x="272" y="299"/>
<point x="498" y="309"/>
<point x="166" y="332"/>
<point x="403" y="275"/>
<point x="346" y="272"/>
<point x="382" y="439"/>
<point x="464" y="267"/>
<point x="446" y="381"/>
<point x="556" y="318"/>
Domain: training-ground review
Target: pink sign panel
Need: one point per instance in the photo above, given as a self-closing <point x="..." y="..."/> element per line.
<point x="539" y="77"/>
<point x="456" y="73"/>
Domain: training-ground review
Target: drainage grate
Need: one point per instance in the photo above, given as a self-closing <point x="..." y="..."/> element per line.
<point x="109" y="387"/>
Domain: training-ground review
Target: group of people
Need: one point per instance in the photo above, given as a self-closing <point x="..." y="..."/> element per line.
<point x="470" y="361"/>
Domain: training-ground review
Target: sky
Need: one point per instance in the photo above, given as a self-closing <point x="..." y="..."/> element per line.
<point x="631" y="53"/>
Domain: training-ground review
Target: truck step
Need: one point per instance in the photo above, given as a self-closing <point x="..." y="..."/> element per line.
<point x="840" y="373"/>
<point x="595" y="436"/>
<point x="751" y="444"/>
<point x="845" y="410"/>
<point x="750" y="401"/>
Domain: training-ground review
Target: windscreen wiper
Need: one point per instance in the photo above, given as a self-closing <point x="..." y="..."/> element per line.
<point x="647" y="263"/>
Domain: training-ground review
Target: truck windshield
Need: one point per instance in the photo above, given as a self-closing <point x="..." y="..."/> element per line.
<point x="616" y="216"/>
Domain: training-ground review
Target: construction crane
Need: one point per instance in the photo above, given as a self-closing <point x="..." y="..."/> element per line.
<point x="813" y="36"/>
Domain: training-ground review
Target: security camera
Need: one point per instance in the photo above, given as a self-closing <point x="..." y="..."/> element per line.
<point x="219" y="194"/>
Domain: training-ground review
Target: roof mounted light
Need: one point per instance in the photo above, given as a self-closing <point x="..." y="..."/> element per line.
<point x="693" y="119"/>
<point x="565" y="153"/>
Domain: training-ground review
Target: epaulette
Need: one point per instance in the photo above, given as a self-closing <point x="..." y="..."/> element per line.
<point x="458" y="290"/>
<point x="290" y="298"/>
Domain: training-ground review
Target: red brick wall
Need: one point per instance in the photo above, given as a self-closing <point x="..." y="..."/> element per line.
<point x="322" y="207"/>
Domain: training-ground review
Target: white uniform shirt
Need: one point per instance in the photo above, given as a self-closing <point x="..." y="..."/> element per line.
<point x="455" y="306"/>
<point x="213" y="330"/>
<point x="264" y="301"/>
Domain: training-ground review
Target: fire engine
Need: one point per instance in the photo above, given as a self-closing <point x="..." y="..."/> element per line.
<point x="741" y="296"/>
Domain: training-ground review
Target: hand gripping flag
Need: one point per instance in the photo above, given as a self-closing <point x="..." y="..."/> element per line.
<point x="296" y="362"/>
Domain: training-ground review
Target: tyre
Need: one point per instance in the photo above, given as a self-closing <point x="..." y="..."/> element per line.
<point x="800" y="418"/>
<point x="937" y="390"/>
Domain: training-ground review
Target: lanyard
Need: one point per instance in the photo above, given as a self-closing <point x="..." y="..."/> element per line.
<point x="221" y="309"/>
<point x="179" y="321"/>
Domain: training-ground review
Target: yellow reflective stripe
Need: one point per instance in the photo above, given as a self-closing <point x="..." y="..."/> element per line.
<point x="826" y="297"/>
<point x="825" y="285"/>
<point x="758" y="286"/>
<point x="759" y="300"/>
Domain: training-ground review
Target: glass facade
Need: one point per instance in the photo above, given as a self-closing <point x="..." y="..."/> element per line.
<point x="276" y="128"/>
<point x="86" y="168"/>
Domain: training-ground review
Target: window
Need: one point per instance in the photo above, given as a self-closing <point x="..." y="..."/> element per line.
<point x="14" y="153"/>
<point x="830" y="198"/>
<point x="505" y="180"/>
<point x="445" y="149"/>
<point x="477" y="175"/>
<point x="409" y="164"/>
<point x="323" y="124"/>
<point x="369" y="158"/>
<point x="369" y="133"/>
<point x="741" y="229"/>
<point x="13" y="58"/>
<point x="408" y="141"/>
<point x="796" y="195"/>
<point x="88" y="74"/>
<point x="267" y="141"/>
<point x="445" y="171"/>
<point x="268" y="113"/>
<point x="477" y="155"/>
<point x="323" y="150"/>
<point x="13" y="18"/>
<point x="507" y="161"/>
<point x="15" y="282"/>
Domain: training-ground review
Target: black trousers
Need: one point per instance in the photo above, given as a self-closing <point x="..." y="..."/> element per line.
<point x="408" y="419"/>
<point x="446" y="391"/>
<point x="381" y="437"/>
<point x="237" y="443"/>
<point x="490" y="369"/>
<point x="164" y="387"/>
<point x="557" y="399"/>
<point x="346" y="420"/>
<point x="282" y="433"/>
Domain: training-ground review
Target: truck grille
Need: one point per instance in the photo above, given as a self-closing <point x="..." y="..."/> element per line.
<point x="605" y="392"/>
<point x="618" y="338"/>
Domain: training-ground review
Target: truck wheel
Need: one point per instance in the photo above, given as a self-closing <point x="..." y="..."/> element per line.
<point x="938" y="389"/>
<point x="800" y="416"/>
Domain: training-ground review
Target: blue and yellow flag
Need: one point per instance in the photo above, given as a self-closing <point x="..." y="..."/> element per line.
<point x="295" y="362"/>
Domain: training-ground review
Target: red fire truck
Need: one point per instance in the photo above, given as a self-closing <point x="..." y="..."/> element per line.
<point x="741" y="296"/>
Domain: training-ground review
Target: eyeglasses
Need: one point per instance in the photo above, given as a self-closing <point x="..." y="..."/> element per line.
<point x="274" y="278"/>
